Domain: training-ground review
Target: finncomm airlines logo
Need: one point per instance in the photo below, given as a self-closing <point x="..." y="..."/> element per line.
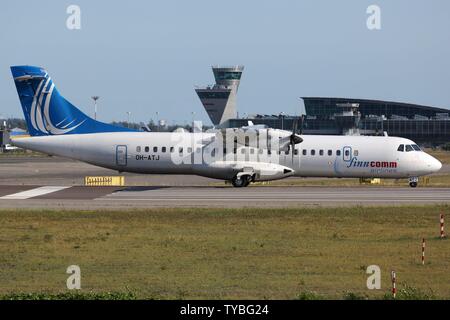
<point x="355" y="163"/>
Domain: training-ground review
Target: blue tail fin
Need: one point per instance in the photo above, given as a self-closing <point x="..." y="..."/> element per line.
<point x="46" y="111"/>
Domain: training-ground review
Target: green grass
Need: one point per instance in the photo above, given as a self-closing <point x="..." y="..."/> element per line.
<point x="223" y="253"/>
<point x="70" y="295"/>
<point x="23" y="153"/>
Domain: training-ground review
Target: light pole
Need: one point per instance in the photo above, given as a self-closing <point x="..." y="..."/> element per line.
<point x="157" y="120"/>
<point x="193" y="117"/>
<point x="128" y="121"/>
<point x="95" y="98"/>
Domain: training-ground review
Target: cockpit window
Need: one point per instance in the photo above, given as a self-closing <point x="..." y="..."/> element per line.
<point x="401" y="148"/>
<point x="409" y="148"/>
<point x="416" y="147"/>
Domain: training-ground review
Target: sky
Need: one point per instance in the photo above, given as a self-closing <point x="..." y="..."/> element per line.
<point x="145" y="57"/>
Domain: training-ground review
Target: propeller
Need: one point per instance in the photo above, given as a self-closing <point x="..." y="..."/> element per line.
<point x="303" y="121"/>
<point x="294" y="138"/>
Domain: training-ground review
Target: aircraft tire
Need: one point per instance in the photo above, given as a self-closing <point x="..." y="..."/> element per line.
<point x="238" y="182"/>
<point x="413" y="184"/>
<point x="243" y="181"/>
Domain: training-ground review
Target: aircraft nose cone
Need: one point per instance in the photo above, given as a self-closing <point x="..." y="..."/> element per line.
<point x="437" y="165"/>
<point x="434" y="164"/>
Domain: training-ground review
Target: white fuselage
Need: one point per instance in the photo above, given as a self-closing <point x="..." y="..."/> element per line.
<point x="183" y="153"/>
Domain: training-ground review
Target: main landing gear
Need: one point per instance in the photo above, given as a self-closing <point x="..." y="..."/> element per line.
<point x="240" y="181"/>
<point x="413" y="182"/>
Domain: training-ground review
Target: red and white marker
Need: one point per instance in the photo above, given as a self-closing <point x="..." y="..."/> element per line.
<point x="393" y="278"/>
<point x="423" y="251"/>
<point x="442" y="226"/>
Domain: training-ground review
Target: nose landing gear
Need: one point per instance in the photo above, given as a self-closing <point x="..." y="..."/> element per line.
<point x="413" y="182"/>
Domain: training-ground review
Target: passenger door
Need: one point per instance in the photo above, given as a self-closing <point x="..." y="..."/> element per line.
<point x="347" y="153"/>
<point x="121" y="155"/>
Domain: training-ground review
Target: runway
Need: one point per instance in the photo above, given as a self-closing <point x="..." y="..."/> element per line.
<point x="79" y="197"/>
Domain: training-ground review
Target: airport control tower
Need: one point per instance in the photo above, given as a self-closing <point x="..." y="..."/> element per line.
<point x="219" y="99"/>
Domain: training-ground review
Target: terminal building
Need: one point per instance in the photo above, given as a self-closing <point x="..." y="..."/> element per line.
<point x="346" y="116"/>
<point x="330" y="116"/>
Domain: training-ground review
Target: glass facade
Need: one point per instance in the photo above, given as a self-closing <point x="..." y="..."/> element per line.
<point x="328" y="107"/>
<point x="371" y="117"/>
<point x="228" y="75"/>
<point x="417" y="130"/>
<point x="213" y="94"/>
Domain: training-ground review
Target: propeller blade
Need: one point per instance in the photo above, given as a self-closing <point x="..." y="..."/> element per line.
<point x="294" y="138"/>
<point x="301" y="125"/>
<point x="294" y="126"/>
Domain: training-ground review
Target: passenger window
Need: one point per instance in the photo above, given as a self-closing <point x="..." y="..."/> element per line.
<point x="171" y="149"/>
<point x="155" y="149"/>
<point x="321" y="152"/>
<point x="252" y="151"/>
<point x="189" y="150"/>
<point x="338" y="153"/>
<point x="163" y="149"/>
<point x="401" y="148"/>
<point x="355" y="153"/>
<point x="198" y="150"/>
<point x="416" y="147"/>
<point x="409" y="148"/>
<point x="180" y="150"/>
<point x="330" y="152"/>
<point x="138" y="149"/>
<point x="304" y="152"/>
<point x="313" y="152"/>
<point x="296" y="152"/>
<point x="147" y="149"/>
<point x="347" y="153"/>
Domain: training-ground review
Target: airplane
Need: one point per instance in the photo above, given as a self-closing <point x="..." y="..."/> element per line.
<point x="240" y="155"/>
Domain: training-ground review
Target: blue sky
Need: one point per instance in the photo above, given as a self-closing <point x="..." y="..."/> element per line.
<point x="147" y="56"/>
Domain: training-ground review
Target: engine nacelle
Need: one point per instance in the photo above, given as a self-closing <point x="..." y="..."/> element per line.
<point x="260" y="171"/>
<point x="271" y="171"/>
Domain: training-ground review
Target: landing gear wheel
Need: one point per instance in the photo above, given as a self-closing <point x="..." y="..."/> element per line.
<point x="238" y="182"/>
<point x="413" y="182"/>
<point x="242" y="181"/>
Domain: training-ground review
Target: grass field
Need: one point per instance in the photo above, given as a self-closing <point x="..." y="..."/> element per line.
<point x="224" y="253"/>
